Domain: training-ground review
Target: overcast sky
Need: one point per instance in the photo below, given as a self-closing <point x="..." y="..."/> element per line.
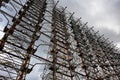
<point x="102" y="14"/>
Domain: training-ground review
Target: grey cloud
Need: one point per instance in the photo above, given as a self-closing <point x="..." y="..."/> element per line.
<point x="109" y="34"/>
<point x="103" y="14"/>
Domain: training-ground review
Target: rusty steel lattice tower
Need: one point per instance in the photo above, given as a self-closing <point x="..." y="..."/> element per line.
<point x="73" y="50"/>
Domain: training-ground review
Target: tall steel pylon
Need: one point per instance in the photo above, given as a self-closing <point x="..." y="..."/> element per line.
<point x="74" y="51"/>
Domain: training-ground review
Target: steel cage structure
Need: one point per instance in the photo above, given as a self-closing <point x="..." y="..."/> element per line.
<point x="73" y="51"/>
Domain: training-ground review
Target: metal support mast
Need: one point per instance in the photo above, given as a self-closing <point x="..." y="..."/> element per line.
<point x="38" y="32"/>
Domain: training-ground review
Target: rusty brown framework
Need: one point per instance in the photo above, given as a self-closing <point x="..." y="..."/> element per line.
<point x="75" y="51"/>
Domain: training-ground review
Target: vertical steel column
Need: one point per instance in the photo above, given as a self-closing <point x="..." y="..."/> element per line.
<point x="18" y="43"/>
<point x="16" y="22"/>
<point x="34" y="37"/>
<point x="96" y="60"/>
<point x="76" y="51"/>
<point x="54" y="52"/>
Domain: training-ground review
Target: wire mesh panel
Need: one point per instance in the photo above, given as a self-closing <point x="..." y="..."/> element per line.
<point x="39" y="39"/>
<point x="20" y="33"/>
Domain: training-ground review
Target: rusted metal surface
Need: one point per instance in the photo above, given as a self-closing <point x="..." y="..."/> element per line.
<point x="74" y="51"/>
